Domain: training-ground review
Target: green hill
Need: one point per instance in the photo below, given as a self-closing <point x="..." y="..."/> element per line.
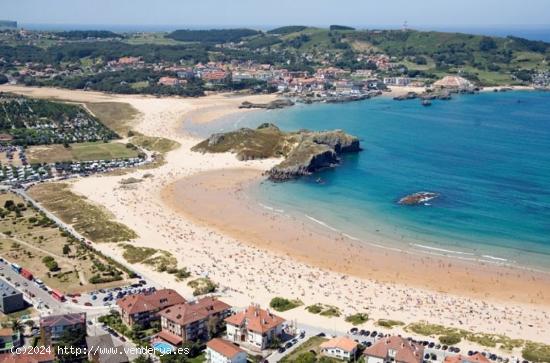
<point x="212" y="36"/>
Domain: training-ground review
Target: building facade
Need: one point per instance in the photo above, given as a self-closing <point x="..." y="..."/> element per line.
<point x="255" y="327"/>
<point x="222" y="351"/>
<point x="53" y="328"/>
<point x="192" y="321"/>
<point x="142" y="308"/>
<point x="11" y="299"/>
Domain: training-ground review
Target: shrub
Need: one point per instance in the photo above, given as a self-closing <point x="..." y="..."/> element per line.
<point x="357" y="319"/>
<point x="282" y="304"/>
<point x="450" y="339"/>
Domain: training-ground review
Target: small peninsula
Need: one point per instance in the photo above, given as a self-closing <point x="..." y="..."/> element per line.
<point x="304" y="152"/>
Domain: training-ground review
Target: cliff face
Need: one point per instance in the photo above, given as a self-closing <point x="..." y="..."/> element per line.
<point x="304" y="151"/>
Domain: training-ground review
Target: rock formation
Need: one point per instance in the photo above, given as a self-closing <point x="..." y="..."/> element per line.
<point x="304" y="151"/>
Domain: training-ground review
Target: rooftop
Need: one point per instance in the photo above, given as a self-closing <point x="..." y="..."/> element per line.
<point x="344" y="343"/>
<point x="63" y="320"/>
<point x="475" y="358"/>
<point x="6" y="289"/>
<point x="256" y="319"/>
<point x="405" y="351"/>
<point x="223" y="347"/>
<point x="140" y="303"/>
<point x="190" y="312"/>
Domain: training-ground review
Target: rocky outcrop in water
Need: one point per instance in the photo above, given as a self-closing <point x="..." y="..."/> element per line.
<point x="304" y="151"/>
<point x="418" y="198"/>
<point x="275" y="104"/>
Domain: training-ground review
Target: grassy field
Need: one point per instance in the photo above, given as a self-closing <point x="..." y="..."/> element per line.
<point x="87" y="151"/>
<point x="88" y="219"/>
<point x="155" y="144"/>
<point x="283" y="304"/>
<point x="117" y="116"/>
<point x="484" y="339"/>
<point x="26" y="237"/>
<point x="310" y="345"/>
<point x="324" y="310"/>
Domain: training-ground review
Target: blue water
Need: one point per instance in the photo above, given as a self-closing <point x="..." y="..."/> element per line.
<point x="488" y="155"/>
<point x="163" y="347"/>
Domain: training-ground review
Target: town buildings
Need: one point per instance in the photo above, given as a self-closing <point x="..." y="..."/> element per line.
<point x="193" y="320"/>
<point x="222" y="351"/>
<point x="340" y="348"/>
<point x="142" y="308"/>
<point x="394" y="349"/>
<point x="474" y="358"/>
<point x="53" y="328"/>
<point x="255" y="327"/>
<point x="11" y="299"/>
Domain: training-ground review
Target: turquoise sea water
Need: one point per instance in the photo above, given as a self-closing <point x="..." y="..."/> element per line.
<point x="488" y="155"/>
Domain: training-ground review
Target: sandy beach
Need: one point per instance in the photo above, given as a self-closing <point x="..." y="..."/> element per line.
<point x="196" y="207"/>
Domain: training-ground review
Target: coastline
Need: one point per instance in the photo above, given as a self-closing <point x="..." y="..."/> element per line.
<point x="255" y="272"/>
<point x="240" y="216"/>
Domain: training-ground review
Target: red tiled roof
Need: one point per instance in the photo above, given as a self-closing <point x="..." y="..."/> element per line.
<point x="256" y="319"/>
<point x="406" y="352"/>
<point x="138" y="303"/>
<point x="344" y="343"/>
<point x="223" y="347"/>
<point x="476" y="358"/>
<point x="63" y="320"/>
<point x="170" y="338"/>
<point x="27" y="358"/>
<point x="184" y="314"/>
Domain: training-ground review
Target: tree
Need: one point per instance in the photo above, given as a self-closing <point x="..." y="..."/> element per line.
<point x="486" y="44"/>
<point x="75" y="337"/>
<point x="3" y="79"/>
<point x="66" y="249"/>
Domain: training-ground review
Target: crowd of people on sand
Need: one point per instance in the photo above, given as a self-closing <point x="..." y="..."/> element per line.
<point x="246" y="273"/>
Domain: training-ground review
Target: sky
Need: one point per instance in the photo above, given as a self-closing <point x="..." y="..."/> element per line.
<point x="364" y="13"/>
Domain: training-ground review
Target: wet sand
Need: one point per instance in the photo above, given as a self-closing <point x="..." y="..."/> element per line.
<point x="219" y="199"/>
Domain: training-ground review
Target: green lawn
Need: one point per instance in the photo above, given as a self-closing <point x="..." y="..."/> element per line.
<point x="118" y="116"/>
<point x="312" y="344"/>
<point x="80" y="152"/>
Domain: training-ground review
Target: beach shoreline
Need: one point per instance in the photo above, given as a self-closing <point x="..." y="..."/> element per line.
<point x="249" y="271"/>
<point x="241" y="216"/>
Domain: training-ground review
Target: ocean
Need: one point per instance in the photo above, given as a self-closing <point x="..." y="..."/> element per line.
<point x="487" y="155"/>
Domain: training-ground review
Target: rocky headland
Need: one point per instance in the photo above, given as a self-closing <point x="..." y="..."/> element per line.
<point x="304" y="151"/>
<point x="275" y="104"/>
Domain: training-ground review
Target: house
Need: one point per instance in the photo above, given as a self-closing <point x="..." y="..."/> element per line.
<point x="397" y="81"/>
<point x="128" y="60"/>
<point x="53" y="327"/>
<point x="102" y="349"/>
<point x="394" y="349"/>
<point x="192" y="321"/>
<point x="171" y="81"/>
<point x="142" y="308"/>
<point x="43" y="356"/>
<point x="214" y="76"/>
<point x="255" y="327"/>
<point x="474" y="358"/>
<point x="11" y="299"/>
<point x="9" y="339"/>
<point x="222" y="351"/>
<point x="340" y="348"/>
